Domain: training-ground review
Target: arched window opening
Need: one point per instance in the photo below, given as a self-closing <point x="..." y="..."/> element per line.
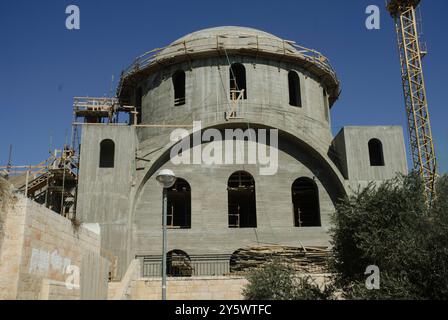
<point x="305" y="199"/>
<point x="326" y="108"/>
<point x="179" y="87"/>
<point x="295" y="96"/>
<point x="241" y="200"/>
<point x="179" y="205"/>
<point x="238" y="89"/>
<point x="107" y="154"/>
<point x="376" y="153"/>
<point x="178" y="264"/>
<point x="138" y="104"/>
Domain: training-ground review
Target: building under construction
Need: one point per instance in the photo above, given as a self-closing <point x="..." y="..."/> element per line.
<point x="221" y="217"/>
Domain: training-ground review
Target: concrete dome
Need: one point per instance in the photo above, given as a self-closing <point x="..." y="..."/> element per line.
<point x="231" y="40"/>
<point x="227" y="38"/>
<point x="226" y="31"/>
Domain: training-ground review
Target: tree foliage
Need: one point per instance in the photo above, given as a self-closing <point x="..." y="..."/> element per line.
<point x="276" y="281"/>
<point x="391" y="226"/>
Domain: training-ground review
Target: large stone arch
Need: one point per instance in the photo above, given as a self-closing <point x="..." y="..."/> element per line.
<point x="294" y="146"/>
<point x="303" y="143"/>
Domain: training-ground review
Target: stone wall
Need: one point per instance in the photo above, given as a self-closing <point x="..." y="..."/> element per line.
<point x="40" y="245"/>
<point x="5" y="201"/>
<point x="200" y="288"/>
<point x="56" y="290"/>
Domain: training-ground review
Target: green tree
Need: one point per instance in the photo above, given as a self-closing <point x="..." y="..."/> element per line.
<point x="276" y="281"/>
<point x="390" y="226"/>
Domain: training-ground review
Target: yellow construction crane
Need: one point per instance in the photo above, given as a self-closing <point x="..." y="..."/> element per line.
<point x="411" y="54"/>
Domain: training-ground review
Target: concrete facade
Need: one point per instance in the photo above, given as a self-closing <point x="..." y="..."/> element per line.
<point x="127" y="201"/>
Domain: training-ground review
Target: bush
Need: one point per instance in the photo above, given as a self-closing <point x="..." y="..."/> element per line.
<point x="391" y="226"/>
<point x="276" y="281"/>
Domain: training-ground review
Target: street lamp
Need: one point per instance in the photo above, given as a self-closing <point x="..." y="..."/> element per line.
<point x="166" y="179"/>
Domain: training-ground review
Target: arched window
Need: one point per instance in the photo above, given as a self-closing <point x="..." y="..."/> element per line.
<point x="305" y="199"/>
<point x="138" y="104"/>
<point x="376" y="153"/>
<point x="178" y="264"/>
<point x="241" y="200"/>
<point x="326" y="109"/>
<point x="238" y="81"/>
<point x="179" y="205"/>
<point x="107" y="153"/>
<point x="179" y="87"/>
<point x="295" y="96"/>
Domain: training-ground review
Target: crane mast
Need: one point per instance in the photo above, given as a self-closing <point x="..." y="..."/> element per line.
<point x="419" y="126"/>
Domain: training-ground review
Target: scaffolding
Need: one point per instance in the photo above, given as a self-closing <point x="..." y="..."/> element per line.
<point x="101" y="110"/>
<point x="218" y="45"/>
<point x="52" y="183"/>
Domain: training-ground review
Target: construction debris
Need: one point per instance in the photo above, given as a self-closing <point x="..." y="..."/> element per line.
<point x="300" y="259"/>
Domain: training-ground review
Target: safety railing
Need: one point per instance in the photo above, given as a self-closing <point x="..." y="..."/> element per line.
<point x="227" y="42"/>
<point x="203" y="265"/>
<point x="223" y="265"/>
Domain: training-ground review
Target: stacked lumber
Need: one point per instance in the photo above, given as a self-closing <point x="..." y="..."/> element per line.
<point x="300" y="259"/>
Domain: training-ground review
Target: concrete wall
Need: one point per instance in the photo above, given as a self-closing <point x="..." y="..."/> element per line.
<point x="210" y="232"/>
<point x="104" y="193"/>
<point x="121" y="290"/>
<point x="352" y="145"/>
<point x="39" y="245"/>
<point x="94" y="276"/>
<point x="207" y="97"/>
<point x="126" y="200"/>
<point x="267" y="104"/>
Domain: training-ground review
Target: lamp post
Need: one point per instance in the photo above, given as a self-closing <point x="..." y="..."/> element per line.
<point x="166" y="179"/>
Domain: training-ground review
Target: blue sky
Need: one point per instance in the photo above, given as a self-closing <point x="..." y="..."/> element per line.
<point x="43" y="65"/>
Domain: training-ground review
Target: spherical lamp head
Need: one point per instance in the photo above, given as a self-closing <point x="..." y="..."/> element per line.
<point x="166" y="178"/>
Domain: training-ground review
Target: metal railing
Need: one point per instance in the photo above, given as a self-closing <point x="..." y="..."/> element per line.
<point x="204" y="265"/>
<point x="220" y="265"/>
<point x="227" y="42"/>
